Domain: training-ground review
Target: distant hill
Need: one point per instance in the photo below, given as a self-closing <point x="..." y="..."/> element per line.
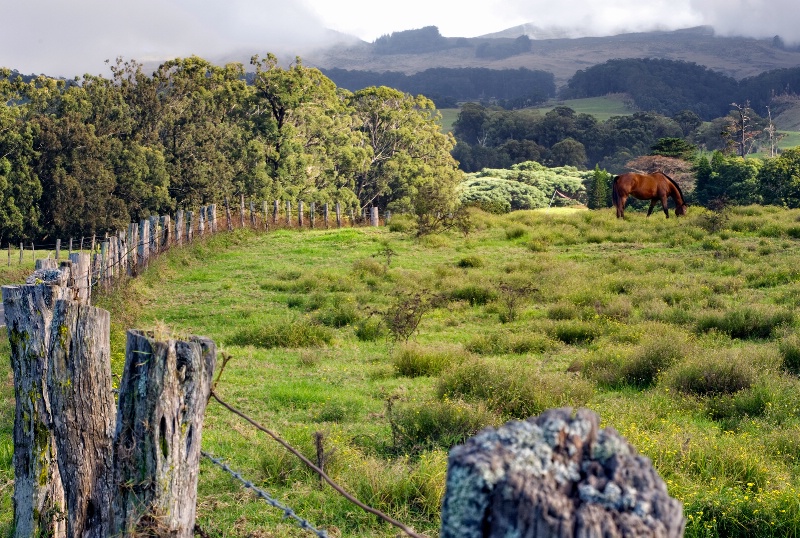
<point x="738" y="57"/>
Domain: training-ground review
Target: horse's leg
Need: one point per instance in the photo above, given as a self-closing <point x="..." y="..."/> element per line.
<point x="621" y="206"/>
<point x="652" y="205"/>
<point x="664" y="205"/>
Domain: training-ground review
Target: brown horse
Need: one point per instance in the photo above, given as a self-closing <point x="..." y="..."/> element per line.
<point x="653" y="187"/>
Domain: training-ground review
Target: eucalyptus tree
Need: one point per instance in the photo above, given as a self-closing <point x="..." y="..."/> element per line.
<point x="202" y="130"/>
<point x="411" y="167"/>
<point x="20" y="189"/>
<point x="311" y="145"/>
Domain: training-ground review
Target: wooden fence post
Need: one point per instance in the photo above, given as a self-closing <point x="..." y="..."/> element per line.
<point x="387" y="216"/>
<point x="311" y="210"/>
<point x="338" y="215"/>
<point x="556" y="475"/>
<point x="211" y="213"/>
<point x="39" y="495"/>
<point x="162" y="402"/>
<point x="241" y="210"/>
<point x="288" y="213"/>
<point x="325" y="214"/>
<point x="201" y="221"/>
<point x="265" y="209"/>
<point x="228" y="214"/>
<point x="166" y="229"/>
<point x="58" y="249"/>
<point x="300" y="213"/>
<point x="144" y="242"/>
<point x="21" y="252"/>
<point x="121" y="470"/>
<point x="373" y="216"/>
<point x="189" y="226"/>
<point x="275" y="212"/>
<point x="179" y="226"/>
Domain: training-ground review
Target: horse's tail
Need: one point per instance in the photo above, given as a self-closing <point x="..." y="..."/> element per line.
<point x="614" y="193"/>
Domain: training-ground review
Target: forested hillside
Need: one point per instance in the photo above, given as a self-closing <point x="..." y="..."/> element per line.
<point x="91" y="155"/>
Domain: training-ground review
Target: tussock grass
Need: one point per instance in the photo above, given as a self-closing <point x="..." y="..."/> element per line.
<point x="413" y="360"/>
<point x="512" y="389"/>
<point x="289" y="334"/>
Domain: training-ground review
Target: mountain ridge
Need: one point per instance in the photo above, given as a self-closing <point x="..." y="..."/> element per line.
<point x="738" y="57"/>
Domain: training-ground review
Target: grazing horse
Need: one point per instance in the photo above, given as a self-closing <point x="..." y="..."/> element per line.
<point x="653" y="187"/>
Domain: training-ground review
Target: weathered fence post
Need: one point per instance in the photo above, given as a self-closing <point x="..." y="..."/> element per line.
<point x="201" y="221"/>
<point x="374" y="216"/>
<point x="189" y="226"/>
<point x="228" y="214"/>
<point x="179" y="226"/>
<point x="85" y="467"/>
<point x="143" y="248"/>
<point x="288" y="213"/>
<point x="81" y="277"/>
<point x="58" y="249"/>
<point x="556" y="475"/>
<point x="252" y="214"/>
<point x="162" y="402"/>
<point x="300" y="213"/>
<point x="241" y="210"/>
<point x="39" y="495"/>
<point x="325" y="215"/>
<point x="312" y="209"/>
<point x="265" y="209"/>
<point x="275" y="212"/>
<point x="338" y="215"/>
<point x="387" y="216"/>
<point x="166" y="231"/>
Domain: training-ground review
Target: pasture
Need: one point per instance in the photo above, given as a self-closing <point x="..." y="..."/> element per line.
<point x="680" y="333"/>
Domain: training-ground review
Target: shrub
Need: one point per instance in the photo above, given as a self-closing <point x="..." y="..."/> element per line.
<point x="746" y="322"/>
<point x="414" y="361"/>
<point x="638" y="367"/>
<point x="575" y="332"/>
<point x="562" y="311"/>
<point x="515" y="232"/>
<point x="369" y="266"/>
<point x="473" y="294"/>
<point x="790" y="353"/>
<point x="402" y="224"/>
<point x="713" y="374"/>
<point x="437" y="424"/>
<point x="370" y="329"/>
<point x="341" y="314"/>
<point x="291" y="334"/>
<point x="469" y="262"/>
<point x="501" y="343"/>
<point x="512" y="390"/>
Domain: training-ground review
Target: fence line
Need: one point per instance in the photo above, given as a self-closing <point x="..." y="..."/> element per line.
<point x="319" y="471"/>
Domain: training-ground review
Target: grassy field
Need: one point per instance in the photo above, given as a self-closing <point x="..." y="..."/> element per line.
<point x="680" y="333"/>
<point x="601" y="108"/>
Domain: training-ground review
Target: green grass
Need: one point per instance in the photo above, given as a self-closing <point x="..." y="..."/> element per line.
<point x="601" y="108"/>
<point x="449" y="116"/>
<point x="681" y="339"/>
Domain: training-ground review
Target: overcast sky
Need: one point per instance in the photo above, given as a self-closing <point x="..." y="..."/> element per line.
<point x="66" y="38"/>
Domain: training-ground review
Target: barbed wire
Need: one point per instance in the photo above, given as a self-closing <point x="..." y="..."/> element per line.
<point x="287" y="512"/>
<point x="319" y="471"/>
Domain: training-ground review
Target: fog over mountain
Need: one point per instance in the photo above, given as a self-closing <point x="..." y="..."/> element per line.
<point x="71" y="38"/>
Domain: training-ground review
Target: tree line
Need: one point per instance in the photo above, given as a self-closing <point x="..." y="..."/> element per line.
<point x="93" y="154"/>
<point x="671" y="86"/>
<point x="507" y="88"/>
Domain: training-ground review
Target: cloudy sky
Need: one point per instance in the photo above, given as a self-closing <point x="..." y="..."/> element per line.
<point x="66" y="38"/>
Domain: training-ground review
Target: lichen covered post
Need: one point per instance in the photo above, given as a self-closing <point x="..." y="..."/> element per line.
<point x="557" y="475"/>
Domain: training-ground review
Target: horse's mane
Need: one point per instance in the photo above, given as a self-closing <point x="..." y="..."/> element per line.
<point x="683" y="199"/>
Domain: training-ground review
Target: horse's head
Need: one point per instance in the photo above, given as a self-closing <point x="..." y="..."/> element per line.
<point x="680" y="210"/>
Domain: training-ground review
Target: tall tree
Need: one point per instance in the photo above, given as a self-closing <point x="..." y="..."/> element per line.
<point x="409" y="155"/>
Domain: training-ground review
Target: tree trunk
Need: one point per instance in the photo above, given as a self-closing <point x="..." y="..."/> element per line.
<point x="162" y="402"/>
